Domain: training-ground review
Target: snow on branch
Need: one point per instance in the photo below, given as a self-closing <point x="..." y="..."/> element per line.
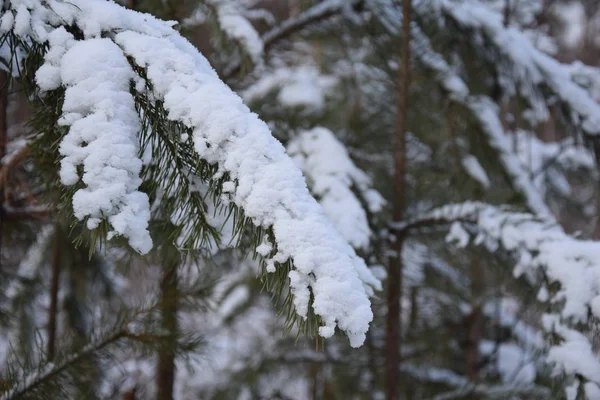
<point x="483" y="109"/>
<point x="571" y="265"/>
<point x="102" y="139"/>
<point x="548" y="162"/>
<point x="332" y="175"/>
<point x="531" y="68"/>
<point x="301" y="86"/>
<point x="327" y="274"/>
<point x="317" y="13"/>
<point x="486" y="113"/>
<point x="323" y="10"/>
<point x="464" y="388"/>
<point x="537" y="241"/>
<point x="236" y="26"/>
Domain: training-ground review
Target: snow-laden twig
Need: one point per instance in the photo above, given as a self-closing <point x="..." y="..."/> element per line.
<point x="269" y="188"/>
<point x="319" y="12"/>
<point x="301" y="86"/>
<point x="102" y="139"/>
<point x="265" y="183"/>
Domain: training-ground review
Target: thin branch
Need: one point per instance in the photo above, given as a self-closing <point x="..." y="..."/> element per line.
<point x="51" y="370"/>
<point x="15" y="159"/>
<point x="28" y="213"/>
<point x="313" y="15"/>
<point x="4" y="80"/>
<point x="497" y="391"/>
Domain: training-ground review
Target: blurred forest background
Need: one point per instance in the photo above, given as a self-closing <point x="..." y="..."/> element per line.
<point x="384" y="133"/>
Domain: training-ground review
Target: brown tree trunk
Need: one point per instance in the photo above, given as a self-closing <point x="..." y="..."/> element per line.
<point x="414" y="310"/>
<point x="54" y="285"/>
<point x="129" y="395"/>
<point x="316" y="370"/>
<point x="394" y="281"/>
<point x="165" y="378"/>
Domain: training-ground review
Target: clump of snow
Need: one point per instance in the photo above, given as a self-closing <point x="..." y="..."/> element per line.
<point x="302" y="86"/>
<point x="458" y="235"/>
<point x="475" y="170"/>
<point x="547" y="162"/>
<point x="332" y="176"/>
<point x="101" y="147"/>
<point x="237" y="27"/>
<point x="513" y="363"/>
<point x="575" y="354"/>
<point x="572" y="16"/>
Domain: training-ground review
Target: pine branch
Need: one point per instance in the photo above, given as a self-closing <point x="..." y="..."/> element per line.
<point x="244" y="162"/>
<point x="502" y="391"/>
<point x="485" y="112"/>
<point x="50" y="371"/>
<point x="536" y="76"/>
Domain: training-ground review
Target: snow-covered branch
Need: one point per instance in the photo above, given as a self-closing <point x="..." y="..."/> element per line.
<point x="264" y="182"/>
<point x="319" y="12"/>
<point x="486" y="113"/>
<point x="531" y="70"/>
<point x="568" y="264"/>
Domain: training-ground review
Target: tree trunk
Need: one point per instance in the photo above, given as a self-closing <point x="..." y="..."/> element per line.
<point x="166" y="356"/>
<point x="414" y="308"/>
<point x="54" y="285"/>
<point x="316" y="371"/>
<point x="394" y="282"/>
<point x="129" y="395"/>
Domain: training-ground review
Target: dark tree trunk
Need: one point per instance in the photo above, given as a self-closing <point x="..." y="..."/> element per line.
<point x="166" y="357"/>
<point x="54" y="286"/>
<point x="394" y="281"/>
